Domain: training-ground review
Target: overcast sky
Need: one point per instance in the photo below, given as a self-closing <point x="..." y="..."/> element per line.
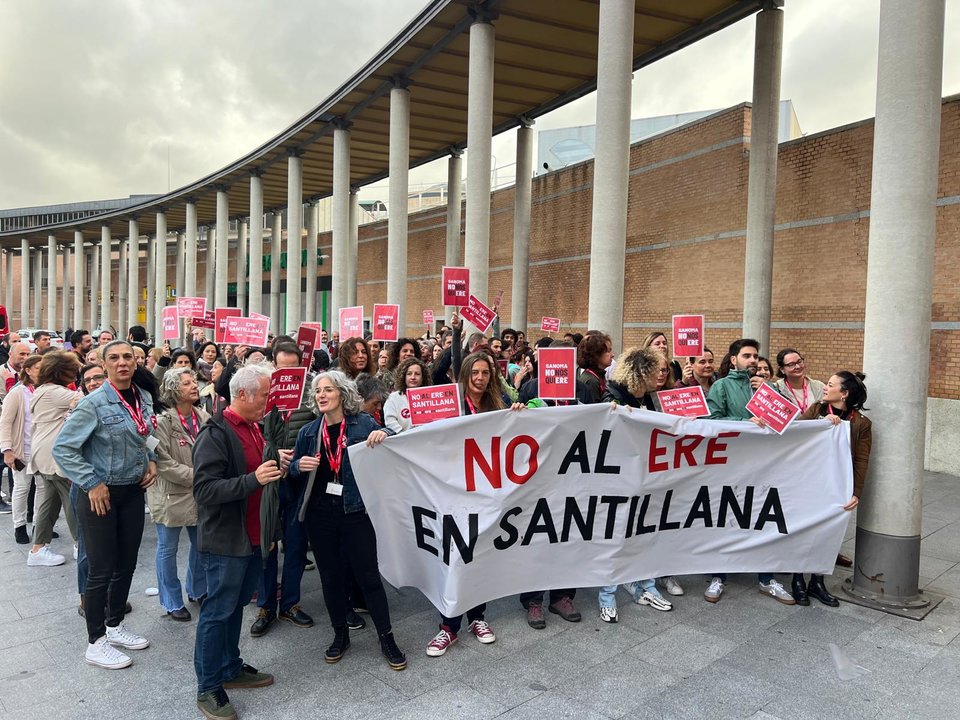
<point x="93" y="95"/>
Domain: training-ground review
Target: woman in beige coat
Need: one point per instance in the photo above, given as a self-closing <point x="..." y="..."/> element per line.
<point x="170" y="498"/>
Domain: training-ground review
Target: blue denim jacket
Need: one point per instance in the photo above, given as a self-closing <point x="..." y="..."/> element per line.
<point x="99" y="442"/>
<point x="358" y="428"/>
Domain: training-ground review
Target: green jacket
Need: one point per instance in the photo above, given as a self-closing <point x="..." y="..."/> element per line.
<point x="729" y="397"/>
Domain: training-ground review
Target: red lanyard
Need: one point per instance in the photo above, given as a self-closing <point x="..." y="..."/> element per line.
<point x="194" y="428"/>
<point x="802" y="403"/>
<point x="335" y="459"/>
<point x="602" y="381"/>
<point x="135" y="413"/>
<point x="473" y="409"/>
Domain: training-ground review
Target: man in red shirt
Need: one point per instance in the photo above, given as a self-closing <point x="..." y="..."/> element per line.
<point x="229" y="475"/>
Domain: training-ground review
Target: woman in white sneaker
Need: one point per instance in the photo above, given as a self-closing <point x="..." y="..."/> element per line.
<point x="15" y="435"/>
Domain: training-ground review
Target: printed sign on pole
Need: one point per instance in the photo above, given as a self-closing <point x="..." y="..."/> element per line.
<point x="307" y="340"/>
<point x="246" y="331"/>
<point x="386" y="322"/>
<point x="434" y="402"/>
<point x="683" y="401"/>
<point x="286" y="387"/>
<point x="773" y="408"/>
<point x="428" y="317"/>
<point x="351" y="322"/>
<point x="171" y="323"/>
<point x="557" y="373"/>
<point x="456" y="286"/>
<point x="259" y="316"/>
<point x="191" y="307"/>
<point x="207" y="321"/>
<point x="477" y="313"/>
<point x="550" y="325"/>
<point x="687" y="335"/>
<point x="220" y="318"/>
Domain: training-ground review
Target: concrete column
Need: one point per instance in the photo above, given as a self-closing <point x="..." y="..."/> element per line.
<point x="398" y="198"/>
<point x="762" y="184"/>
<point x="223" y="247"/>
<point x="256" y="244"/>
<point x="210" y="267"/>
<point x="313" y="218"/>
<point x="8" y="284"/>
<point x="341" y="223"/>
<point x="160" y="299"/>
<point x="78" y="280"/>
<point x="523" y="198"/>
<point x="454" y="210"/>
<point x="900" y="259"/>
<point x="25" y="280"/>
<point x="65" y="309"/>
<point x="122" y="290"/>
<point x="242" y="264"/>
<point x="37" y="287"/>
<point x="479" y="126"/>
<point x="190" y="252"/>
<point x="294" y="240"/>
<point x="133" y="272"/>
<point x="180" y="273"/>
<point x="106" y="285"/>
<point x="276" y="250"/>
<point x="94" y="285"/>
<point x="151" y="301"/>
<point x="51" y="282"/>
<point x="353" y="257"/>
<point x="610" y="171"/>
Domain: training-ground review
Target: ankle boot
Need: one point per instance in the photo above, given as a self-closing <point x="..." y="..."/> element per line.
<point x="393" y="654"/>
<point x="799" y="590"/>
<point x="817" y="589"/>
<point x="341" y="641"/>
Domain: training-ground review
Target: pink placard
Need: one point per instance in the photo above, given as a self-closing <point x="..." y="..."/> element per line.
<point x="314" y="326"/>
<point x="386" y="322"/>
<point x="191" y="307"/>
<point x="428" y="317"/>
<point x="259" y="316"/>
<point x="247" y="331"/>
<point x="477" y="313"/>
<point x="220" y="321"/>
<point x="351" y="322"/>
<point x="307" y="340"/>
<point x="434" y="402"/>
<point x="456" y="286"/>
<point x="687" y="335"/>
<point x="557" y="373"/>
<point x="286" y="387"/>
<point x="207" y="322"/>
<point x="171" y="323"/>
<point x="550" y="325"/>
<point x="773" y="408"/>
<point x="683" y="401"/>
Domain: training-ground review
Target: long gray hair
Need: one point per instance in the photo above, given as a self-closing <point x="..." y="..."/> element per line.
<point x="170" y="386"/>
<point x="350" y="399"/>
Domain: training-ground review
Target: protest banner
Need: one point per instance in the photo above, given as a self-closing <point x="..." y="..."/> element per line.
<point x="428" y="317"/>
<point x="286" y="388"/>
<point x="386" y="325"/>
<point x="220" y="320"/>
<point x="351" y="322"/>
<point x="307" y="338"/>
<point x="773" y="408"/>
<point x="687" y="335"/>
<point x="550" y="325"/>
<point x="557" y="373"/>
<point x="683" y="401"/>
<point x="587" y="495"/>
<point x="171" y="323"/>
<point x="477" y="313"/>
<point x="246" y="331"/>
<point x="208" y="321"/>
<point x="456" y="285"/>
<point x="435" y="402"/>
<point x="191" y="307"/>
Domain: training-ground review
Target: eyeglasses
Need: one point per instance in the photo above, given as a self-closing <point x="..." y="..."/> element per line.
<point x="792" y="365"/>
<point x="94" y="378"/>
<point x="663" y="371"/>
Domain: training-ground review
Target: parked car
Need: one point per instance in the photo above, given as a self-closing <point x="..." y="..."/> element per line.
<point x="26" y="335"/>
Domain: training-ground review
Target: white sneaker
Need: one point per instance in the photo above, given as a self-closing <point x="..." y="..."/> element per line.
<point x="777" y="592"/>
<point x="105" y="655"/>
<point x="44" y="557"/>
<point x="119" y="635"/>
<point x="608" y="614"/>
<point x="671" y="585"/>
<point x="76" y="551"/>
<point x="714" y="591"/>
<point x="654" y="599"/>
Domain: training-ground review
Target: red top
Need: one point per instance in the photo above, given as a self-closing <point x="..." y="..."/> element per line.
<point x="251" y="439"/>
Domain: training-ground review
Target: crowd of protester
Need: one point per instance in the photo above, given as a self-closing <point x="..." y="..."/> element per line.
<point x="112" y="427"/>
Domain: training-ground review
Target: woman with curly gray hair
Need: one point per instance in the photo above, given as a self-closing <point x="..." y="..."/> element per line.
<point x="170" y="498"/>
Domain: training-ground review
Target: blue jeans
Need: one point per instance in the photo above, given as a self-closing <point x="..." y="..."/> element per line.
<point x="765" y="578"/>
<point x="230" y="585"/>
<point x="168" y="542"/>
<point x="294" y="559"/>
<point x="83" y="567"/>
<point x="608" y="593"/>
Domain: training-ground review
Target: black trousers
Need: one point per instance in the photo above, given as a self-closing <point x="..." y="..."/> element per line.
<point x="345" y="544"/>
<point x="112" y="543"/>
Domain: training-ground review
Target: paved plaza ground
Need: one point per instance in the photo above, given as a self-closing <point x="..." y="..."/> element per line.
<point x="746" y="657"/>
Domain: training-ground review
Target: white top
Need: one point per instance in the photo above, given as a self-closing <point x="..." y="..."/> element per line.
<point x="803" y="398"/>
<point x="396" y="412"/>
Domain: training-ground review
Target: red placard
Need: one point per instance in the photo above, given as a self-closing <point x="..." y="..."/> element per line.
<point x="773" y="408"/>
<point x="247" y="331"/>
<point x="687" y="335"/>
<point x="557" y="373"/>
<point x="386" y="323"/>
<point x="220" y="321"/>
<point x="477" y="313"/>
<point x="550" y="325"/>
<point x="351" y="322"/>
<point x="171" y="323"/>
<point x="428" y="317"/>
<point x="434" y="402"/>
<point x="307" y="338"/>
<point x="683" y="401"/>
<point x="456" y="286"/>
<point x="286" y="387"/>
<point x="504" y="366"/>
<point x="207" y="322"/>
<point x="191" y="307"/>
<point x="314" y="326"/>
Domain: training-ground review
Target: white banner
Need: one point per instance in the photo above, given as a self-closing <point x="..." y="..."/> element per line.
<point x="477" y="508"/>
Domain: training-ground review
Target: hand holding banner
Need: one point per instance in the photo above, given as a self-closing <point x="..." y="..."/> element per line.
<point x="773" y="408"/>
<point x="286" y="388"/>
<point x="434" y="402"/>
<point x="456" y="286"/>
<point x="351" y="322"/>
<point x="557" y="373"/>
<point x="386" y="326"/>
<point x="478" y="314"/>
<point x="687" y="335"/>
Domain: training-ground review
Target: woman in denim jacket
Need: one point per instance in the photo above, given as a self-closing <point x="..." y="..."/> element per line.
<point x="106" y="447"/>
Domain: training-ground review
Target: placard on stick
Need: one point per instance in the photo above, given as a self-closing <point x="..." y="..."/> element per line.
<point x="456" y="285"/>
<point x="479" y="314"/>
<point x="683" y="401"/>
<point x="773" y="408"/>
<point x="386" y="322"/>
<point x="687" y="335"/>
<point x="208" y="321"/>
<point x="307" y="338"/>
<point x="351" y="322"/>
<point x="434" y="402"/>
<point x="247" y="331"/>
<point x="171" y="323"/>
<point x="557" y="373"/>
<point x="286" y="388"/>
<point x="550" y="325"/>
<point x="220" y="320"/>
<point x="428" y="318"/>
<point x="191" y="307"/>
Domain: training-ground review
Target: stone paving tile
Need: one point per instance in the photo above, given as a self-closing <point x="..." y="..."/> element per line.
<point x="683" y="650"/>
<point x="616" y="686"/>
<point x="555" y="705"/>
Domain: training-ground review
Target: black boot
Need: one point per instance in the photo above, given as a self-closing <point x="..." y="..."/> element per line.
<point x="817" y="589"/>
<point x="393" y="654"/>
<point x="341" y="641"/>
<point x="800" y="590"/>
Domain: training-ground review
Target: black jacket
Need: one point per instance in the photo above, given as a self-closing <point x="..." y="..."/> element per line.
<point x="621" y="396"/>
